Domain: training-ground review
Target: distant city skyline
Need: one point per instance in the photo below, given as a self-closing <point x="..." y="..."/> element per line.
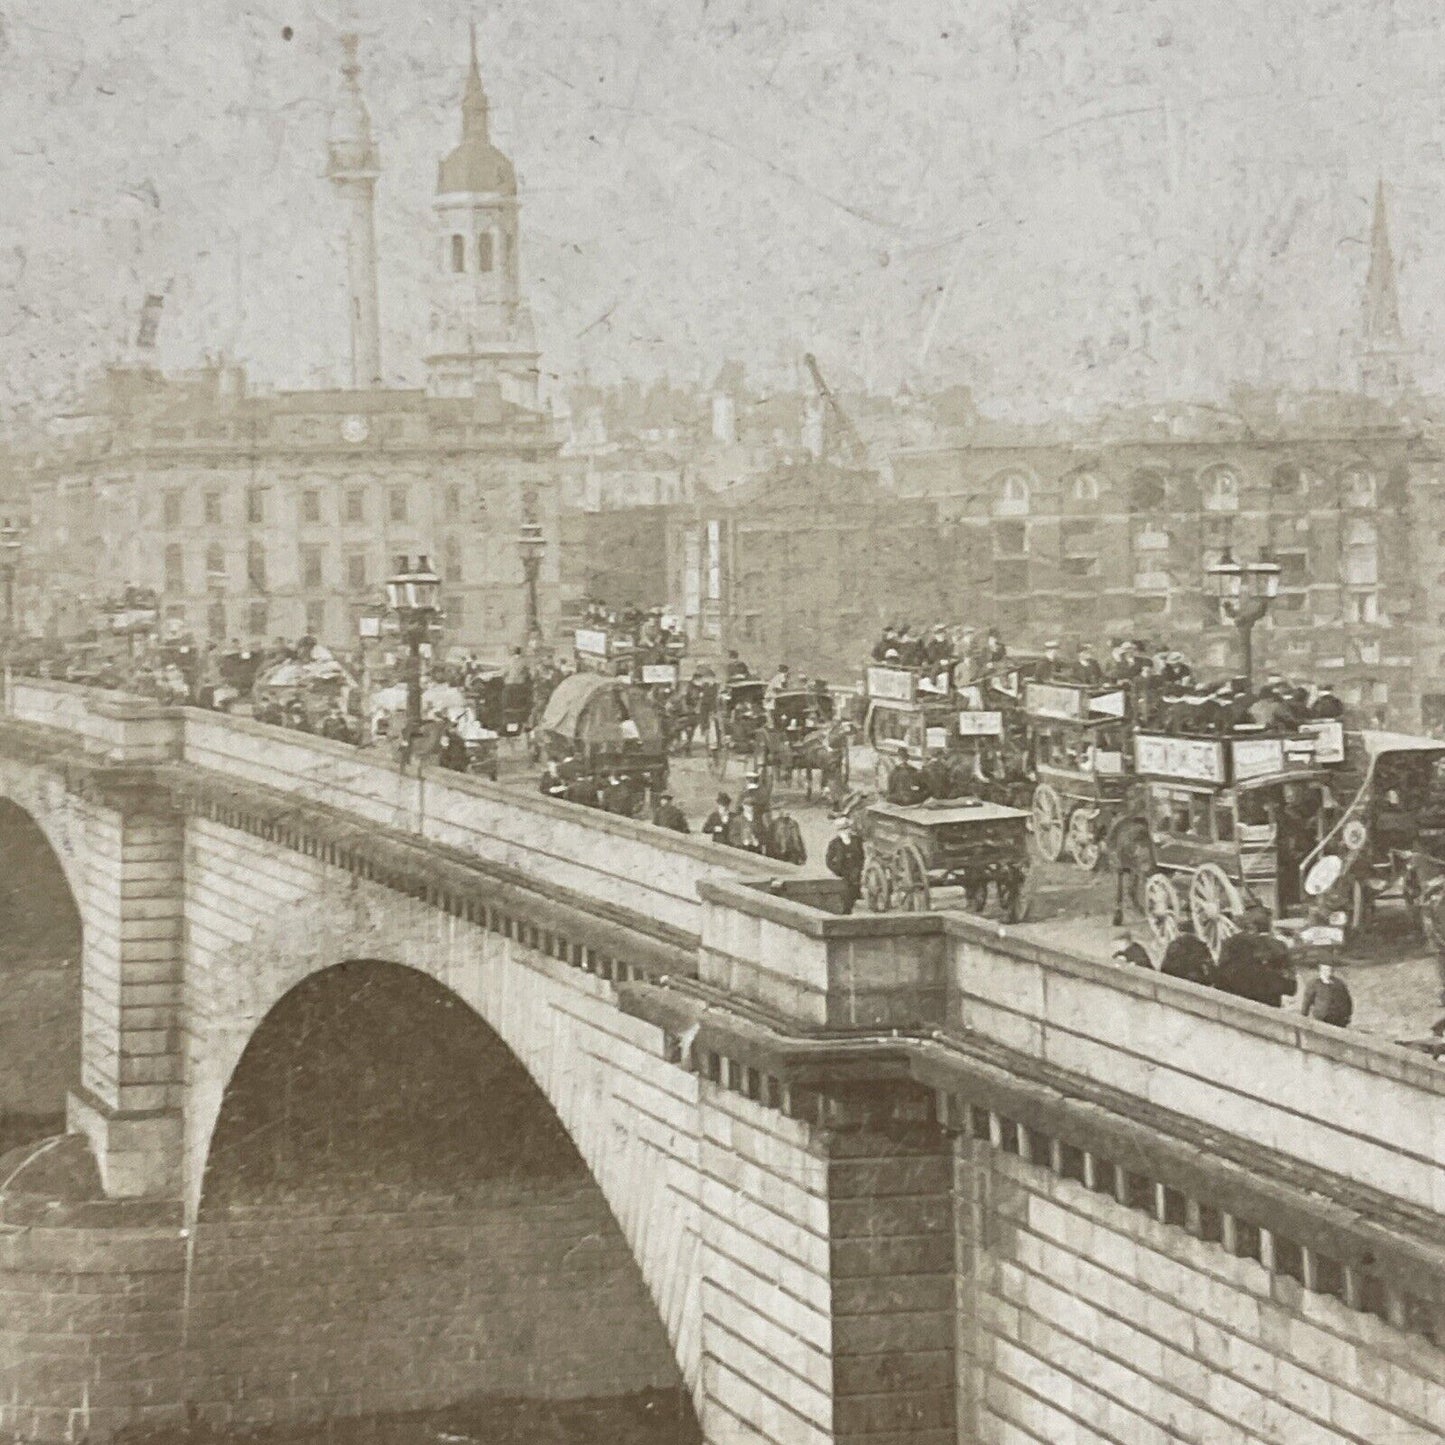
<point x="1061" y="208"/>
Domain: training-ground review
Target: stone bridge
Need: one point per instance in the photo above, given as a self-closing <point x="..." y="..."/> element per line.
<point x="397" y="1089"/>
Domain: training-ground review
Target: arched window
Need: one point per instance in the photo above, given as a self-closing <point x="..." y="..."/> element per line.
<point x="459" y="253"/>
<point x="484" y="250"/>
<point x="1357" y="486"/>
<point x="1013" y="500"/>
<point x="1086" y="487"/>
<point x="1219" y="490"/>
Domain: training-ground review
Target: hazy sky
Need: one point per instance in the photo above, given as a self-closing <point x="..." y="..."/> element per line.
<point x="1059" y="202"/>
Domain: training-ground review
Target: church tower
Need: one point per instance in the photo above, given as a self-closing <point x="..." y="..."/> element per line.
<point x="481" y="329"/>
<point x="353" y="166"/>
<point x="1385" y="371"/>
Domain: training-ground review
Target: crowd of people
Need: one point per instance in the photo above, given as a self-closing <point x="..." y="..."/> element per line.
<point x="1256" y="964"/>
<point x="1161" y="681"/>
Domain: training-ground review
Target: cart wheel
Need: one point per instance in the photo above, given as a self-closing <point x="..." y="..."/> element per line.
<point x="975" y="894"/>
<point x="910" y="880"/>
<point x="877" y="890"/>
<point x="1083" y="847"/>
<point x="882" y="771"/>
<point x="1048" y="816"/>
<point x="1013" y="895"/>
<point x="1161" y="908"/>
<point x="1215" y="905"/>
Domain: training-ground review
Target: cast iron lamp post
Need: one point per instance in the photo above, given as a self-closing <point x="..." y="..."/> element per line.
<point x="531" y="544"/>
<point x="412" y="597"/>
<point x="1244" y="591"/>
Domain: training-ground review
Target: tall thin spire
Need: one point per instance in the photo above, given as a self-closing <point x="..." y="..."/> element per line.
<point x="1385" y="369"/>
<point x="353" y="167"/>
<point x="474" y="98"/>
<point x="1382" y="302"/>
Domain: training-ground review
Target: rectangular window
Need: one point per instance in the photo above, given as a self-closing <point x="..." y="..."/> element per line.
<point x="1010" y="539"/>
<point x="1080" y="538"/>
<point x="258" y="617"/>
<point x="451" y="559"/>
<point x="171" y="509"/>
<point x="1011" y="579"/>
<point x="356" y="571"/>
<point x="1078" y="567"/>
<point x="1362" y="607"/>
<point x="310" y="506"/>
<point x="452" y="611"/>
<point x="213" y="509"/>
<point x="396" y="503"/>
<point x="216" y="621"/>
<point x="311" y="567"/>
<point x="175" y="568"/>
<point x="316" y="618"/>
<point x="255" y="505"/>
<point x="452" y="503"/>
<point x="356" y="504"/>
<point x="256" y="566"/>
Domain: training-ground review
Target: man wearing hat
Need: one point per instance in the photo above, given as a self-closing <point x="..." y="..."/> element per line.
<point x="845" y="859"/>
<point x="1253" y="963"/>
<point x="1051" y="669"/>
<point x="668" y="815"/>
<point x="1087" y="667"/>
<point x="715" y="825"/>
<point x="1326" y="707"/>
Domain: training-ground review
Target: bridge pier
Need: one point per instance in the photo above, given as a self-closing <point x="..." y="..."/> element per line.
<point x="128" y="1100"/>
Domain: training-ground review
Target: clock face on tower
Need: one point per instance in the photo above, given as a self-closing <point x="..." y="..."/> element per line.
<point x="355" y="429"/>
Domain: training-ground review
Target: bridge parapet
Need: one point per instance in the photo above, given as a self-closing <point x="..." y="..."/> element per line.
<point x="118" y="728"/>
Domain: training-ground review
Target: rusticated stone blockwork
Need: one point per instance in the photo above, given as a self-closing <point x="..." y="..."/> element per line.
<point x="891" y="1203"/>
<point x="323" y="1309"/>
<point x="90" y="1325"/>
<point x="1083" y="1320"/>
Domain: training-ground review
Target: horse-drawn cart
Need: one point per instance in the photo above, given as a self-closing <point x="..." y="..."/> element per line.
<point x="968" y="844"/>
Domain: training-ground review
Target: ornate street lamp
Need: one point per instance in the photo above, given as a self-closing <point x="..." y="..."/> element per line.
<point x="412" y="595"/>
<point x="1244" y="591"/>
<point x="531" y="544"/>
<point x="10" y="549"/>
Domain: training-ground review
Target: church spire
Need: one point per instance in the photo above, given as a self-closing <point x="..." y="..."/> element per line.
<point x="474" y="99"/>
<point x="1385" y="370"/>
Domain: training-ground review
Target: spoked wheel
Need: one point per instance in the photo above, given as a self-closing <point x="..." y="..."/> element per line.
<point x="1013" y="895"/>
<point x="877" y="890"/>
<point x="1080" y="840"/>
<point x="1161" y="908"/>
<point x="910" y="880"/>
<point x="1048" y="813"/>
<point x="975" y="893"/>
<point x="1214" y="905"/>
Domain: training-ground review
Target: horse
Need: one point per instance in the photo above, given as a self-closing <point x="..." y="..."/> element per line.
<point x="822" y="750"/>
<point x="1130" y="852"/>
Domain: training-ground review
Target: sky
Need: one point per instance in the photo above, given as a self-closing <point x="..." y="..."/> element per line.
<point x="1064" y="204"/>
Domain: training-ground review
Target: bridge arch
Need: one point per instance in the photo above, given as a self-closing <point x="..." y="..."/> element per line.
<point x="391" y="1207"/>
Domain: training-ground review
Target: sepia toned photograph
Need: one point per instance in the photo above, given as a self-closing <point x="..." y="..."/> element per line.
<point x="723" y="722"/>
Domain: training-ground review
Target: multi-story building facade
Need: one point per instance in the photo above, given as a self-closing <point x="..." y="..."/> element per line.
<point x="1089" y="540"/>
<point x="257" y="515"/>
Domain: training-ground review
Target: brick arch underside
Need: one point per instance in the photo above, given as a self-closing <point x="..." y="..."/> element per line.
<point x="260" y="924"/>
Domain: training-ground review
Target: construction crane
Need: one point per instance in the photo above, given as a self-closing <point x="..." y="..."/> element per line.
<point x="855" y="449"/>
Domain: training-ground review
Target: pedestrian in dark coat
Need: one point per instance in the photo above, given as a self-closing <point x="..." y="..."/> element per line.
<point x="1254" y="964"/>
<point x="1327" y="999"/>
<point x="1187" y="957"/>
<point x="668" y="815"/>
<point x="715" y="825"/>
<point x="845" y="860"/>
